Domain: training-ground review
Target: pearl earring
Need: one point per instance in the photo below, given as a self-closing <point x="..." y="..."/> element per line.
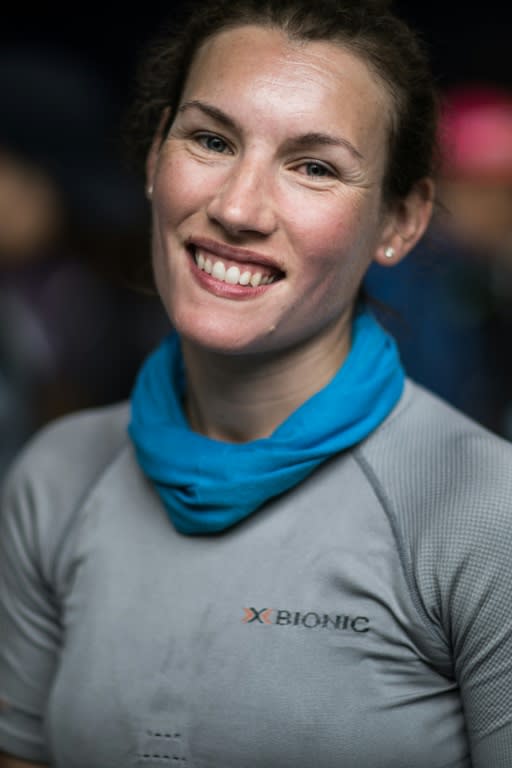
<point x="149" y="191"/>
<point x="389" y="253"/>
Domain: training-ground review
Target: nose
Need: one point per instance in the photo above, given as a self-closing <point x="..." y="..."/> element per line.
<point x="244" y="203"/>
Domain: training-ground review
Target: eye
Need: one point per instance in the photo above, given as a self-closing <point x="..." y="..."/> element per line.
<point x="212" y="142"/>
<point x="317" y="170"/>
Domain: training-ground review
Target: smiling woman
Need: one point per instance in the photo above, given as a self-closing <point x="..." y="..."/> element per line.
<point x="281" y="549"/>
<point x="299" y="207"/>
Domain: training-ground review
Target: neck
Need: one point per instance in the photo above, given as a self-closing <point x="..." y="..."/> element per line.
<point x="237" y="399"/>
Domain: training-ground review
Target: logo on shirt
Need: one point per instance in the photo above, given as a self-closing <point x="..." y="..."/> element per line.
<point x="307" y="619"/>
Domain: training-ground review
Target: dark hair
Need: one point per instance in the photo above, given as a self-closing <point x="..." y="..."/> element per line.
<point x="367" y="27"/>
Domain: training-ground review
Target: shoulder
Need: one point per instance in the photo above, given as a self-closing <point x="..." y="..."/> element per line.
<point x="446" y="485"/>
<point x="445" y="481"/>
<point x="73" y="448"/>
<point x="55" y="472"/>
<point x="427" y="444"/>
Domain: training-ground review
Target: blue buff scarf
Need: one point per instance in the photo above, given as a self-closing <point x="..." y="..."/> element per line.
<point x="207" y="485"/>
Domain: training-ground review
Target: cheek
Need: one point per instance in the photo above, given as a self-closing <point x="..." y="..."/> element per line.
<point x="336" y="253"/>
<point x="333" y="242"/>
<point x="180" y="186"/>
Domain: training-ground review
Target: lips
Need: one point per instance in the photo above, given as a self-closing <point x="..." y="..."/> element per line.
<point x="232" y="265"/>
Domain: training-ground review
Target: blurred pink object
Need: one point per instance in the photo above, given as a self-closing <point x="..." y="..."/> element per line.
<point x="476" y="132"/>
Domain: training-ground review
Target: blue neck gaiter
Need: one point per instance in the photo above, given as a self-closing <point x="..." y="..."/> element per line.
<point x="207" y="485"/>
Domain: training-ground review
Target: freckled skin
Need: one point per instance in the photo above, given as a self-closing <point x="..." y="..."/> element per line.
<point x="255" y="190"/>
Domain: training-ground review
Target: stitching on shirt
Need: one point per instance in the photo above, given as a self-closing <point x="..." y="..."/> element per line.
<point x="75" y="518"/>
<point x="387" y="506"/>
<point x="149" y="756"/>
<point x="167" y="738"/>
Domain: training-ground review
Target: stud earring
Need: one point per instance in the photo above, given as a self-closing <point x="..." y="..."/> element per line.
<point x="149" y="191"/>
<point x="389" y="253"/>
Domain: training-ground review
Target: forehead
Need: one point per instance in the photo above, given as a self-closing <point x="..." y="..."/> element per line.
<point x="312" y="81"/>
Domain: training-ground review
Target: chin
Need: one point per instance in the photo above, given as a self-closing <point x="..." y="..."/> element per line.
<point x="226" y="337"/>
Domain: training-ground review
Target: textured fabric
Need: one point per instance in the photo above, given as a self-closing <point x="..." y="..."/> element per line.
<point x="362" y="619"/>
<point x="207" y="485"/>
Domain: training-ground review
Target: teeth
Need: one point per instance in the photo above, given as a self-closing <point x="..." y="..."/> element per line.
<point x="219" y="270"/>
<point x="231" y="275"/>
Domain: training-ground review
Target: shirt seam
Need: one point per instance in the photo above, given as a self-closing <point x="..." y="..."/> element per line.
<point x="391" y="516"/>
<point x="81" y="503"/>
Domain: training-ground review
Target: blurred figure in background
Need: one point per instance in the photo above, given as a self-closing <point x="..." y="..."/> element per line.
<point x="450" y="303"/>
<point x="71" y="334"/>
<point x="476" y="178"/>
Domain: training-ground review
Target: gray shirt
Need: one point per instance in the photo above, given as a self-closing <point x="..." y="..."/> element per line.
<point x="362" y="619"/>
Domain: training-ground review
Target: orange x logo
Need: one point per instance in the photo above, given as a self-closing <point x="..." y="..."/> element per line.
<point x="262" y="616"/>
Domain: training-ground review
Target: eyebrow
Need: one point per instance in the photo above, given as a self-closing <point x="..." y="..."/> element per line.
<point x="303" y="141"/>
<point x="208" y="109"/>
<point x="315" y="138"/>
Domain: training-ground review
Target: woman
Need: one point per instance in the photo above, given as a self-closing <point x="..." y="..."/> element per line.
<point x="293" y="559"/>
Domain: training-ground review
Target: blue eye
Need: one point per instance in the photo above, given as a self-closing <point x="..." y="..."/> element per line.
<point x="317" y="170"/>
<point x="212" y="142"/>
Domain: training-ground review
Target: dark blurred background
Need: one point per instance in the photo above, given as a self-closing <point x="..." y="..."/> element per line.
<point x="467" y="40"/>
<point x="73" y="331"/>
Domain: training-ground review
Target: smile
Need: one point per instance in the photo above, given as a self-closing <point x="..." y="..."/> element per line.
<point x="234" y="274"/>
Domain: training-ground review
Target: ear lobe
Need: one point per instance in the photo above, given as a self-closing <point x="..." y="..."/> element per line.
<point x="407" y="222"/>
<point x="154" y="151"/>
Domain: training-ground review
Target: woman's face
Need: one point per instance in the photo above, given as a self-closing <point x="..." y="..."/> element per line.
<point x="266" y="192"/>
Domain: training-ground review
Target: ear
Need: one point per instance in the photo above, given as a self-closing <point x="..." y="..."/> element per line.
<point x="406" y="222"/>
<point x="154" y="151"/>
